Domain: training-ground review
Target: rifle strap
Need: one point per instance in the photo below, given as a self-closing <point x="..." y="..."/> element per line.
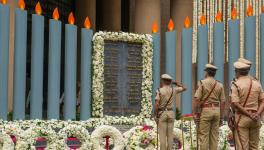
<point x="206" y="99"/>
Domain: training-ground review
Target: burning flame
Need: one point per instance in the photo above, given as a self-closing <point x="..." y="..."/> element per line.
<point x="250" y="11"/>
<point x="21" y="4"/>
<point x="203" y="20"/>
<point x="71" y="19"/>
<point x="56" y="14"/>
<point x="171" y="25"/>
<point x="187" y="22"/>
<point x="154" y="27"/>
<point x="87" y="23"/>
<point x="234" y="13"/>
<point x="38" y="9"/>
<point x="3" y="1"/>
<point x="218" y="17"/>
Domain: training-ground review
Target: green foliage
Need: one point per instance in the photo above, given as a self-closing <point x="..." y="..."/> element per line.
<point x="10" y="116"/>
<point x="178" y="114"/>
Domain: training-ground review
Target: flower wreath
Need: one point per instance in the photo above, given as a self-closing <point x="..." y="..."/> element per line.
<point x="6" y="142"/>
<point x="75" y="131"/>
<point x="129" y="133"/>
<point x="15" y="130"/>
<point x="141" y="138"/>
<point x="177" y="134"/>
<point x="29" y="136"/>
<point x="105" y="130"/>
<point x="98" y="69"/>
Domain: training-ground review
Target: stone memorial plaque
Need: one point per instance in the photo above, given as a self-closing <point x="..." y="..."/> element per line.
<point x="123" y="78"/>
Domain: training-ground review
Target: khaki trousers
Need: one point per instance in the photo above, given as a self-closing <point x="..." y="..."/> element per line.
<point x="208" y="130"/>
<point x="166" y="123"/>
<point x="247" y="134"/>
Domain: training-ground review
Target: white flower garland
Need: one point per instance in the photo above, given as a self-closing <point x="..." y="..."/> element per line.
<point x="75" y="131"/>
<point x="29" y="137"/>
<point x="26" y="138"/>
<point x="98" y="69"/>
<point x="6" y="142"/>
<point x="103" y="131"/>
<point x="195" y="22"/>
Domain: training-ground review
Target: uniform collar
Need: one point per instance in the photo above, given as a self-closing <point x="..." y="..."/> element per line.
<point x="166" y="86"/>
<point x="211" y="78"/>
<point x="243" y="77"/>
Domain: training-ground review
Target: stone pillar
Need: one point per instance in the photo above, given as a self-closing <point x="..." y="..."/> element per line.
<point x="109" y="15"/>
<point x="179" y="10"/>
<point x="13" y="5"/>
<point x="83" y="9"/>
<point x="132" y="11"/>
<point x="164" y="20"/>
<point x="146" y="12"/>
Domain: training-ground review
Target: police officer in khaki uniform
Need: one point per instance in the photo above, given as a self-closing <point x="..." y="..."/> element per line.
<point x="247" y="98"/>
<point x="209" y="98"/>
<point x="164" y="101"/>
<point x="245" y="61"/>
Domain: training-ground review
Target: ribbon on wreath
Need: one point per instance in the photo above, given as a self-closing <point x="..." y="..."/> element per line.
<point x="107" y="142"/>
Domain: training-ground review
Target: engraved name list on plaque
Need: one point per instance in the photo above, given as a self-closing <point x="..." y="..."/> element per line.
<point x="123" y="78"/>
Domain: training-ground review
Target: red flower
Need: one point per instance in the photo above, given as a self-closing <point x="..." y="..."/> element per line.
<point x="188" y="115"/>
<point x="146" y="127"/>
<point x="14" y="139"/>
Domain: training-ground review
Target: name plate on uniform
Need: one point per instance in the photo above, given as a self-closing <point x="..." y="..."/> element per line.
<point x="123" y="78"/>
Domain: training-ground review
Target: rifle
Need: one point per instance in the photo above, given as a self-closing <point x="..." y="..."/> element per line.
<point x="232" y="123"/>
<point x="157" y="135"/>
<point x="198" y="114"/>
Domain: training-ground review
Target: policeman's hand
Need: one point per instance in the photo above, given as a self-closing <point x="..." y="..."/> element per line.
<point x="196" y="119"/>
<point x="251" y="116"/>
<point x="255" y="116"/>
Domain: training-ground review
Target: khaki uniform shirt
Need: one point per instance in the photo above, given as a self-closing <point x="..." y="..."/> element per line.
<point x="164" y="93"/>
<point x="204" y="88"/>
<point x="240" y="89"/>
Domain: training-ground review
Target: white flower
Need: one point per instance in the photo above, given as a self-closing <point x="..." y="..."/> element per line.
<point x="100" y="132"/>
<point x="73" y="130"/>
<point x="6" y="142"/>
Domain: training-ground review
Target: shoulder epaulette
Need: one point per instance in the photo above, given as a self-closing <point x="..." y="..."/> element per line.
<point x="255" y="78"/>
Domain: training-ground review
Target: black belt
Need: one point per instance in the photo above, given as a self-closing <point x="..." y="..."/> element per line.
<point x="165" y="109"/>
